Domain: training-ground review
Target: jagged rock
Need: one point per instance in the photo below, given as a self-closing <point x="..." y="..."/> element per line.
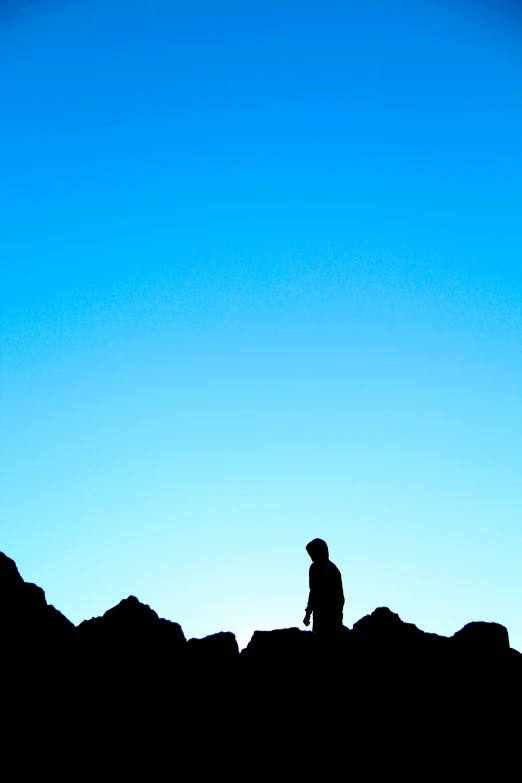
<point x="126" y="686"/>
<point x="10" y="578"/>
<point x="283" y="644"/>
<point x="132" y="624"/>
<point x="385" y="630"/>
<point x="484" y="638"/>
<point x="25" y="615"/>
<point x="217" y="647"/>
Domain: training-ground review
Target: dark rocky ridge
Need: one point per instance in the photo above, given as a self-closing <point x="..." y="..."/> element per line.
<point x="131" y="677"/>
<point x="25" y="615"/>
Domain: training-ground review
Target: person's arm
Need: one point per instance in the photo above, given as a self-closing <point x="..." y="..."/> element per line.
<point x="311" y="596"/>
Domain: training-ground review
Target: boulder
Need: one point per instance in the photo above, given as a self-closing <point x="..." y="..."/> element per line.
<point x="133" y="631"/>
<point x="483" y="638"/>
<point x="216" y="648"/>
<point x="25" y="615"/>
<point x="285" y="644"/>
<point x="131" y="622"/>
<point x="384" y="629"/>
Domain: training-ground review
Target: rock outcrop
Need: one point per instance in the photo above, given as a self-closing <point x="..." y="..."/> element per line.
<point x="25" y="616"/>
<point x="482" y="638"/>
<point x="216" y="648"/>
<point x="127" y="687"/>
<point x="132" y="624"/>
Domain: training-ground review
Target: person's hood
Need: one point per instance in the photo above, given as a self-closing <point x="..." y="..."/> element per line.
<point x="318" y="549"/>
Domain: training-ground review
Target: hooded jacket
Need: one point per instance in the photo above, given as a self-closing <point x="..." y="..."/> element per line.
<point x="326" y="599"/>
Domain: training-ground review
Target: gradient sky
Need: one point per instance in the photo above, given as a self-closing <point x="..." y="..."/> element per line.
<point x="261" y="283"/>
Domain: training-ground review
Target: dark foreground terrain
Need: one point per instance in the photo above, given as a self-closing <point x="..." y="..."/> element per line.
<point x="126" y="695"/>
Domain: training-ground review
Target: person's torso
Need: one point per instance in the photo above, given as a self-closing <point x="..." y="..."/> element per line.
<point x="328" y="586"/>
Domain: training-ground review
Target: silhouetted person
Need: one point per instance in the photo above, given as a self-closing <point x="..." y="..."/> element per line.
<point x="326" y="600"/>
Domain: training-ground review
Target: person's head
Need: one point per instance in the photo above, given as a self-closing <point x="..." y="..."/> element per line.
<point x="318" y="549"/>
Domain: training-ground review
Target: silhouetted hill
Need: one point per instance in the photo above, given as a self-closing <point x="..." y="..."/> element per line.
<point x="132" y="624"/>
<point x="25" y="615"/>
<point x="128" y="689"/>
<point x="215" y="648"/>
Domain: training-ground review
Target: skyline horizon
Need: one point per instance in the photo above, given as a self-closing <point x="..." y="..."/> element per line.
<point x="241" y="639"/>
<point x="244" y="641"/>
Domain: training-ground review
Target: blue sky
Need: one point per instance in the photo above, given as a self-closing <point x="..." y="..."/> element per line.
<point x="261" y="283"/>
